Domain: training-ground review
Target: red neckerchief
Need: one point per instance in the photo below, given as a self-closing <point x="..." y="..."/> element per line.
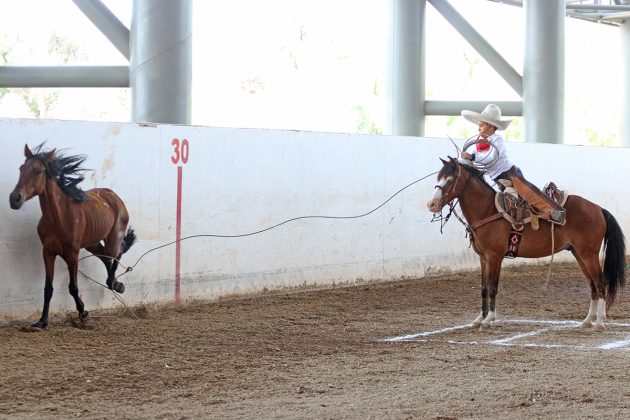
<point x="483" y="145"/>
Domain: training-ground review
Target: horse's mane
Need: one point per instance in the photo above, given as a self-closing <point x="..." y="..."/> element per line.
<point x="65" y="169"/>
<point x="450" y="169"/>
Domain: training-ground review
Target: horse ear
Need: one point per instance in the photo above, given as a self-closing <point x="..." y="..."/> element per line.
<point x="443" y="161"/>
<point x="27" y="152"/>
<point x="50" y="155"/>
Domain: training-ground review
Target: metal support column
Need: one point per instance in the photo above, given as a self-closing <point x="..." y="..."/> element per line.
<point x="543" y="73"/>
<point x="624" y="116"/>
<point x="161" y="61"/>
<point x="406" y="68"/>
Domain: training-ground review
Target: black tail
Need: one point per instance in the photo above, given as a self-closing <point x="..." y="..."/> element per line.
<point x="129" y="239"/>
<point x="614" y="258"/>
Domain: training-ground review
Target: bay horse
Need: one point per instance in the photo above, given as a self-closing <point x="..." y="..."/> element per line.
<point x="72" y="219"/>
<point x="588" y="227"/>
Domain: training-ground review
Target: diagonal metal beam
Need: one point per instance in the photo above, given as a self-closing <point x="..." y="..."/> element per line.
<point x="479" y="43"/>
<point x="64" y="76"/>
<point x="115" y="31"/>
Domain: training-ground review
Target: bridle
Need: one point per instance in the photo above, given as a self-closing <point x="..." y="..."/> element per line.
<point x="445" y="201"/>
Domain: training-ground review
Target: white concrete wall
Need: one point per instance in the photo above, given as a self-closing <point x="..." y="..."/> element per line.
<point x="239" y="181"/>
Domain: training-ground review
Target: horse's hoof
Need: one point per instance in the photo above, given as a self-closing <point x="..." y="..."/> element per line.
<point x="84" y="314"/>
<point x="486" y="326"/>
<point x="475" y="325"/>
<point x="598" y="327"/>
<point x="586" y="325"/>
<point x="119" y="287"/>
<point x="39" y="325"/>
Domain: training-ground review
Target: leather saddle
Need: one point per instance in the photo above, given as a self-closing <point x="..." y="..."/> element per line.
<point x="516" y="210"/>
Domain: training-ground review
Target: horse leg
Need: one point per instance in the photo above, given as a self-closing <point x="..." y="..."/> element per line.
<point x="73" y="266"/>
<point x="111" y="265"/>
<point x="590" y="317"/>
<point x="493" y="271"/>
<point x="111" y="276"/>
<point x="597" y="309"/>
<point x="49" y="266"/>
<point x="484" y="295"/>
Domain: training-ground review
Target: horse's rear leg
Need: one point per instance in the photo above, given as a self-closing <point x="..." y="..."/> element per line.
<point x="597" y="308"/>
<point x="111" y="265"/>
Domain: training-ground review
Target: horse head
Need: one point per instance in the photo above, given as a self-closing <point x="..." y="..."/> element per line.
<point x="450" y="184"/>
<point x="32" y="181"/>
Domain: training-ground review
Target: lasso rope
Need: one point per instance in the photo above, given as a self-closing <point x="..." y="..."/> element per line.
<point x="130" y="268"/>
<point x="484" y="163"/>
<point x="553" y="246"/>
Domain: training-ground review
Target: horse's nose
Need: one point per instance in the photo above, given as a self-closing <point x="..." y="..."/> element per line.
<point x="433" y="205"/>
<point x="15" y="200"/>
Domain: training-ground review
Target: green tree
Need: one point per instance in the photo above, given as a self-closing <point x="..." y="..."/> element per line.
<point x="365" y="122"/>
<point x="40" y="102"/>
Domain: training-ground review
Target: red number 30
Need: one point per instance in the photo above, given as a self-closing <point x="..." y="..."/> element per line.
<point x="181" y="151"/>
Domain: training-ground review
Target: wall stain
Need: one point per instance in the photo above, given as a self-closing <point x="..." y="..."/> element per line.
<point x="108" y="165"/>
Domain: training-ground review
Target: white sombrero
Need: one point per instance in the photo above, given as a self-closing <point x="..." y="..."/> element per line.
<point x="491" y="115"/>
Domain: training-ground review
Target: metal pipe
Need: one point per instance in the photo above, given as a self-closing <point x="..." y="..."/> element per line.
<point x="406" y="69"/>
<point x="543" y="73"/>
<point x="479" y="43"/>
<point x="619" y="15"/>
<point x="161" y="61"/>
<point x="115" y="31"/>
<point x="624" y="112"/>
<point x="508" y="108"/>
<point x="64" y="76"/>
<point x="596" y="7"/>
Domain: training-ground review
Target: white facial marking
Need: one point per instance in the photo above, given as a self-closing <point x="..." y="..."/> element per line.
<point x="437" y="194"/>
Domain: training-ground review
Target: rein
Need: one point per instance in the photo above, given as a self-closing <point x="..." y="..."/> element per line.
<point x="495" y="216"/>
<point x="439" y="217"/>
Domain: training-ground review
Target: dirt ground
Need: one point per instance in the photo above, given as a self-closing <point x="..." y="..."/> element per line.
<point x="322" y="354"/>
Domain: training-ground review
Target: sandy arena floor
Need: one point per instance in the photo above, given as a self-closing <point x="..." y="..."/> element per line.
<point x="322" y="354"/>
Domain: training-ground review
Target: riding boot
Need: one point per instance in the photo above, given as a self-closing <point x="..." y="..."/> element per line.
<point x="549" y="209"/>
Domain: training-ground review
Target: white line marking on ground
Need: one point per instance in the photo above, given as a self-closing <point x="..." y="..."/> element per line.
<point x="558" y="326"/>
<point x="510" y="341"/>
<point x="427" y="333"/>
<point x="614" y="345"/>
<point x="540" y="321"/>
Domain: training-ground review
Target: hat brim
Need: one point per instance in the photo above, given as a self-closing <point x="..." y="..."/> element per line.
<point x="475" y="117"/>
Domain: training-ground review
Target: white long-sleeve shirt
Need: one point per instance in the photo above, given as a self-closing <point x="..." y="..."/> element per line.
<point x="501" y="165"/>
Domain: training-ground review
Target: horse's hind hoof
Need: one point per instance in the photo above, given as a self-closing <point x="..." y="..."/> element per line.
<point x="119" y="287"/>
<point x="598" y="327"/>
<point x="84" y="314"/>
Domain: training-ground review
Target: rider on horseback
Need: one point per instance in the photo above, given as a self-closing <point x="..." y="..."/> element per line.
<point x="489" y="121"/>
